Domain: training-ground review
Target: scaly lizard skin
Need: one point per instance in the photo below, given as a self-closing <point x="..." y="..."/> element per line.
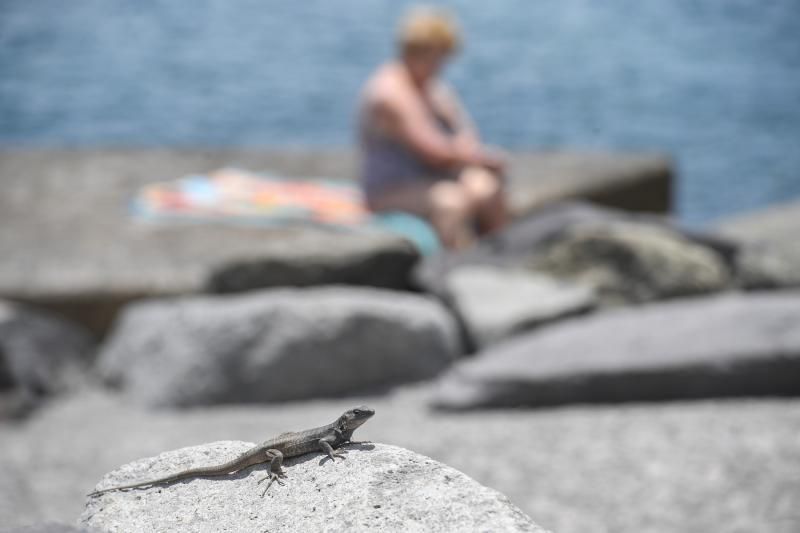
<point x="325" y="439"/>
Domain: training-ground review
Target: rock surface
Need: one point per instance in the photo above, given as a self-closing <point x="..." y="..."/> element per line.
<point x="775" y="224"/>
<point x="377" y="488"/>
<point x="632" y="262"/>
<point x="41" y="354"/>
<point x="381" y="260"/>
<point x="764" y="265"/>
<point x="50" y="527"/>
<point x="16" y="496"/>
<point x="276" y="345"/>
<point x="496" y="303"/>
<point x="529" y="239"/>
<point x="730" y="345"/>
<point x="574" y="469"/>
<point x="770" y="248"/>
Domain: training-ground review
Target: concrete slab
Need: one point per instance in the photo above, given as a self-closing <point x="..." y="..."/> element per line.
<point x="68" y="243"/>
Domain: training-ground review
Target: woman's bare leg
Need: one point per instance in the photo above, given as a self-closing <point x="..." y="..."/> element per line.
<point x="451" y="211"/>
<point x="445" y="204"/>
<point x="487" y="194"/>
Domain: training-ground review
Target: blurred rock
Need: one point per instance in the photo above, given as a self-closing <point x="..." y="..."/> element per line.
<point x="633" y="263"/>
<point x="18" y="506"/>
<point x="777" y="224"/>
<point x="40" y="354"/>
<point x="763" y="265"/>
<point x="634" y="182"/>
<point x="729" y="345"/>
<point x="276" y="345"/>
<point x="382" y="260"/>
<point x="495" y="303"/>
<point x="377" y="488"/>
<point x="50" y="527"/>
<point x="527" y="238"/>
<point x="17" y="404"/>
<point x="769" y="255"/>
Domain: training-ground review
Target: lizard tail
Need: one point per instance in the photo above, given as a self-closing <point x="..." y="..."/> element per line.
<point x="194" y="472"/>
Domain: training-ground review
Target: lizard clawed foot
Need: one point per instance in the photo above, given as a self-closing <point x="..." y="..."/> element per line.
<point x="272" y="477"/>
<point x="332" y="457"/>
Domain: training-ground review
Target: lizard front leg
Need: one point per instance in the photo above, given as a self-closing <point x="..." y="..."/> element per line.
<point x="325" y="444"/>
<point x="275" y="469"/>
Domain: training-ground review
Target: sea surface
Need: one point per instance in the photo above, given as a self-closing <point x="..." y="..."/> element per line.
<point x="714" y="83"/>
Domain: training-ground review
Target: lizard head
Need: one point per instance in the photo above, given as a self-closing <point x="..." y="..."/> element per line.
<point x="353" y="418"/>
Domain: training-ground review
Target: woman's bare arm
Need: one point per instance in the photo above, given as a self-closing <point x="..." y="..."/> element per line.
<point x="448" y="104"/>
<point x="417" y="129"/>
<point x="466" y="136"/>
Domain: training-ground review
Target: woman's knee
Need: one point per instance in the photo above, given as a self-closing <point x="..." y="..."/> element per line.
<point x="450" y="198"/>
<point x="482" y="185"/>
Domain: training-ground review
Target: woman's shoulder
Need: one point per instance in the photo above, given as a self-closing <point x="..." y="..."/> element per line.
<point x="386" y="87"/>
<point x="386" y="79"/>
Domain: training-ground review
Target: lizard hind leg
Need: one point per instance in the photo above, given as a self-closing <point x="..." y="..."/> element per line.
<point x="275" y="471"/>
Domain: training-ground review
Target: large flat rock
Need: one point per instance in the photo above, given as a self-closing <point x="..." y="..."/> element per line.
<point x="635" y="182"/>
<point x="608" y="468"/>
<point x="68" y="242"/>
<point x="377" y="488"/>
<point x="729" y="345"/>
<point x="276" y="345"/>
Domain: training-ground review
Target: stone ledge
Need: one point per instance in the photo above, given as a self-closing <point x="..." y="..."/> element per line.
<point x="69" y="245"/>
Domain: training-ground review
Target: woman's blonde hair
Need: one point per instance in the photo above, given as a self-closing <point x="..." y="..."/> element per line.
<point x="426" y="28"/>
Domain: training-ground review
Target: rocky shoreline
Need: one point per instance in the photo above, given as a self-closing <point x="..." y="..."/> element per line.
<point x="575" y="303"/>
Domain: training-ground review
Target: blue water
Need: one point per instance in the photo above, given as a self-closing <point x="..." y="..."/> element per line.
<point x="714" y="83"/>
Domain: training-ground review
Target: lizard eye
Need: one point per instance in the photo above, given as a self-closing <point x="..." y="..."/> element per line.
<point x="356" y="411"/>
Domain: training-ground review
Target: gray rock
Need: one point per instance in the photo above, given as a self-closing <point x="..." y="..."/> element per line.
<point x="495" y="303"/>
<point x="377" y="488"/>
<point x="557" y="465"/>
<point x="276" y="345"/>
<point x="373" y="259"/>
<point x="527" y="238"/>
<point x="769" y="250"/>
<point x="49" y="527"/>
<point x="40" y="354"/>
<point x="776" y="224"/>
<point x="764" y="265"/>
<point x="730" y="345"/>
<point x="18" y="404"/>
<point x="18" y="506"/>
<point x="633" y="263"/>
<point x="509" y="248"/>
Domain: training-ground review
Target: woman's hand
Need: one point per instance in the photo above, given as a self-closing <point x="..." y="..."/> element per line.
<point x="473" y="153"/>
<point x="495" y="160"/>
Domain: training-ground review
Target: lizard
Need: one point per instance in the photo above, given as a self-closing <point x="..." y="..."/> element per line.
<point x="273" y="451"/>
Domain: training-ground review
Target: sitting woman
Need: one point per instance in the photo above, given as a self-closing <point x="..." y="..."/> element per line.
<point x="420" y="151"/>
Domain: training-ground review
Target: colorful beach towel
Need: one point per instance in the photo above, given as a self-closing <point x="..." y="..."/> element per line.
<point x="239" y="196"/>
<point x="233" y="196"/>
